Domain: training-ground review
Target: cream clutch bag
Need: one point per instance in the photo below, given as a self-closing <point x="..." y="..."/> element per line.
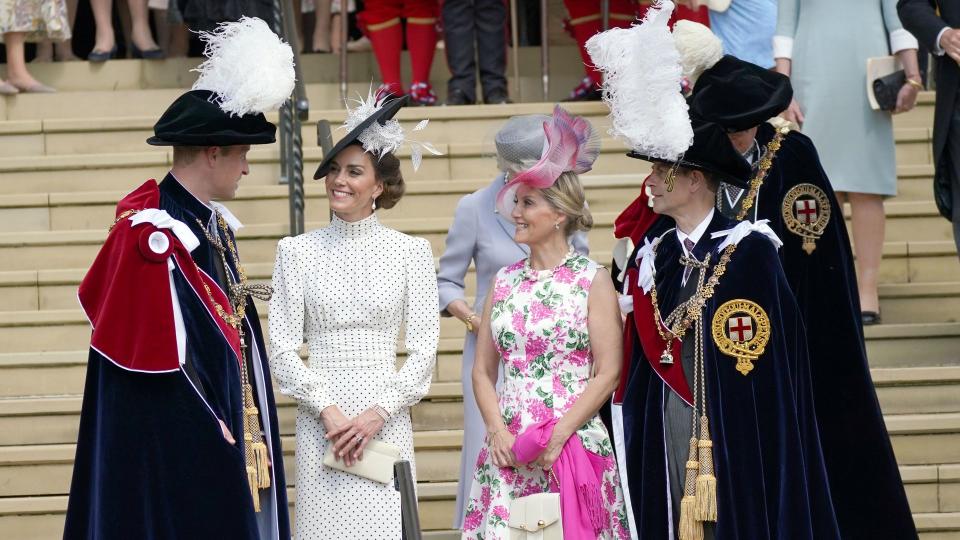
<point x="376" y="463"/>
<point x="536" y="517"/>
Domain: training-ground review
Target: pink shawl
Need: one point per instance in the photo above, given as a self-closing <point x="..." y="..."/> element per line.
<point x="579" y="474"/>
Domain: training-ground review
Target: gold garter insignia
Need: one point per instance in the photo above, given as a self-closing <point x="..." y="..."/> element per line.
<point x="806" y="212"/>
<point x="741" y="329"/>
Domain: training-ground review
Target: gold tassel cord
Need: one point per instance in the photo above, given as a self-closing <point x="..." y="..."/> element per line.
<point x="254" y="492"/>
<point x="706" y="481"/>
<point x="690" y="528"/>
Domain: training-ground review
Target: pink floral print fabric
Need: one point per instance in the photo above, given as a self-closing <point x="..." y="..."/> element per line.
<point x="539" y="325"/>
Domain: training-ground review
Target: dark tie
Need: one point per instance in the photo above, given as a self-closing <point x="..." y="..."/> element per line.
<point x="688" y="244"/>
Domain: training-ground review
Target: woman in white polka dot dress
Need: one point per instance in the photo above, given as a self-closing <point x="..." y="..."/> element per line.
<point x="348" y="288"/>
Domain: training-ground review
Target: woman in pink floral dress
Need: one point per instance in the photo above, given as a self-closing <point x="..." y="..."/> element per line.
<point x="554" y="322"/>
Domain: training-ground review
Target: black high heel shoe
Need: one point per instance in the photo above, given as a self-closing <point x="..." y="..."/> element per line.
<point x="98" y="57"/>
<point x="871" y="317"/>
<point x="152" y="54"/>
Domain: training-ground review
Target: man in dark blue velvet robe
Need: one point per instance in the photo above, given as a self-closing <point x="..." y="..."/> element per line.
<point x="179" y="435"/>
<point x="746" y="371"/>
<point x="796" y="197"/>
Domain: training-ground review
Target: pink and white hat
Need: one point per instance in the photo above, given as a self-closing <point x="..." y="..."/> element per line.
<point x="571" y="145"/>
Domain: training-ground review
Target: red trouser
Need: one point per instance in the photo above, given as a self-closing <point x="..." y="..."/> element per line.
<point x="586" y="20"/>
<point x="380" y="20"/>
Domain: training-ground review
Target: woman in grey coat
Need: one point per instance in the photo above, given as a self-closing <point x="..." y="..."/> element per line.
<point x="480" y="235"/>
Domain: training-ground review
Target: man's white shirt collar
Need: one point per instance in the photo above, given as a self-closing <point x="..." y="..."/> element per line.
<point x="697" y="232"/>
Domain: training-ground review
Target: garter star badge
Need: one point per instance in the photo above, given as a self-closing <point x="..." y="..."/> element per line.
<point x="806" y="212"/>
<point x="741" y="329"/>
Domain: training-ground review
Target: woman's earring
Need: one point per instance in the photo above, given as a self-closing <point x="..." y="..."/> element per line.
<point x="374" y="204"/>
<point x="556" y="225"/>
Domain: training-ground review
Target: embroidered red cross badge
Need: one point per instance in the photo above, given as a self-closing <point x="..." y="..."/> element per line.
<point x="740" y="329"/>
<point x="806" y="211"/>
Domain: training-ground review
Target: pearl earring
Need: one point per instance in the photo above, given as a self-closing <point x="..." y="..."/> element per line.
<point x="556" y="226"/>
<point x="374" y="204"/>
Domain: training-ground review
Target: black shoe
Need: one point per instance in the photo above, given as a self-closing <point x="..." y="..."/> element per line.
<point x="871" y="317"/>
<point x="97" y="57"/>
<point x="152" y="54"/>
<point x="458" y="97"/>
<point x="497" y="97"/>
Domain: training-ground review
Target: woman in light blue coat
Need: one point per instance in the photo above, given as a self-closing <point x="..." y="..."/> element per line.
<point x="481" y="236"/>
<point x="823" y="46"/>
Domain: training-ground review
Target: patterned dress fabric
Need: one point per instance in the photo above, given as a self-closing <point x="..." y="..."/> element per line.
<point x="348" y="289"/>
<point x="539" y="325"/>
<point x="40" y="19"/>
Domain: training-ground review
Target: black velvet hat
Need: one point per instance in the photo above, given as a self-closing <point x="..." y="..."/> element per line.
<point x="195" y="119"/>
<point x="739" y="95"/>
<point x="388" y="111"/>
<point x="711" y="152"/>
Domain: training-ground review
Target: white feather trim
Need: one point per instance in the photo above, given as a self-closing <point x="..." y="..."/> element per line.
<point x="642" y="77"/>
<point x="379" y="139"/>
<point x="248" y="67"/>
<point x="699" y="48"/>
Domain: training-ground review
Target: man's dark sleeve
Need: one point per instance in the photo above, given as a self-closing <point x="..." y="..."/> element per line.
<point x="919" y="17"/>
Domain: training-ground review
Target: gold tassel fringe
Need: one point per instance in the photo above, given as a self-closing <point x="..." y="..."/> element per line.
<point x="254" y="492"/>
<point x="263" y="465"/>
<point x="706" y="488"/>
<point x="690" y="528"/>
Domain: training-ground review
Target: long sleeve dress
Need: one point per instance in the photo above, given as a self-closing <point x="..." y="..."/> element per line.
<point x="347" y="289"/>
<point x="481" y="235"/>
<point x="829" y="43"/>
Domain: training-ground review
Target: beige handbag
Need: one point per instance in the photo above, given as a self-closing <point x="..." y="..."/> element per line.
<point x="536" y="517"/>
<point x="376" y="463"/>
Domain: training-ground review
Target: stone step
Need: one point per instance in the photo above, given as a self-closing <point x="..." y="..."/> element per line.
<point x="913" y="345"/>
<point x="911" y="220"/>
<point x="257" y="243"/>
<point x="907" y="390"/>
<point x="259" y="204"/>
<point x="920" y="302"/>
<point x="475" y="123"/>
<point x="64" y="136"/>
<point x="136" y="88"/>
<point x="124" y="171"/>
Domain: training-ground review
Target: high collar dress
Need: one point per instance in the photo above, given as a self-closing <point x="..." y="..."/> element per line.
<point x="347" y="290"/>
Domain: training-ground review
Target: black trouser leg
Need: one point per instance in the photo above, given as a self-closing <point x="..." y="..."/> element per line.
<point x="459" y="34"/>
<point x="953" y="147"/>
<point x="491" y="17"/>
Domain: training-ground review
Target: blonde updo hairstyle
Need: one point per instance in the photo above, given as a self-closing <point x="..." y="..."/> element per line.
<point x="567" y="196"/>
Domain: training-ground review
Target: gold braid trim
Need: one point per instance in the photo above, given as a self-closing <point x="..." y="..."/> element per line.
<point x="766" y="162"/>
<point x="693" y="308"/>
<point x="121" y="217"/>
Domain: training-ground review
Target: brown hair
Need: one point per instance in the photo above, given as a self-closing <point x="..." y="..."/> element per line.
<point x="568" y="197"/>
<point x="386" y="170"/>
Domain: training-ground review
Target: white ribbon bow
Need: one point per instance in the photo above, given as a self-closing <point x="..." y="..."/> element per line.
<point x="647" y="267"/>
<point x="742" y="230"/>
<point x="162" y="220"/>
<point x="228" y="216"/>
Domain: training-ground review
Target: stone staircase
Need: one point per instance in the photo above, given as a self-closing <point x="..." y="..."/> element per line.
<point x="65" y="159"/>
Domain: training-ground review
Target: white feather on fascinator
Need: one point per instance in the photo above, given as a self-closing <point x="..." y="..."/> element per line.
<point x="248" y="67"/>
<point x="382" y="138"/>
<point x="642" y="81"/>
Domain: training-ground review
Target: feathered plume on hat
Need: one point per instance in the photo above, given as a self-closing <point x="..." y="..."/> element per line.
<point x="385" y="136"/>
<point x="699" y="49"/>
<point x="642" y="81"/>
<point x="248" y="67"/>
<point x="571" y="145"/>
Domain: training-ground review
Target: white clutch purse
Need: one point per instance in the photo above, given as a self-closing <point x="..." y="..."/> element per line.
<point x="376" y="463"/>
<point x="536" y="517"/>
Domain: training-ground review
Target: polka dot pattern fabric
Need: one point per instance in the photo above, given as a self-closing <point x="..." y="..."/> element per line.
<point x="348" y="289"/>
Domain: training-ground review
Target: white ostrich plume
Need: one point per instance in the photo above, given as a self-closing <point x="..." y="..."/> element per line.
<point x="379" y="139"/>
<point x="642" y="78"/>
<point x="248" y="67"/>
<point x="699" y="48"/>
